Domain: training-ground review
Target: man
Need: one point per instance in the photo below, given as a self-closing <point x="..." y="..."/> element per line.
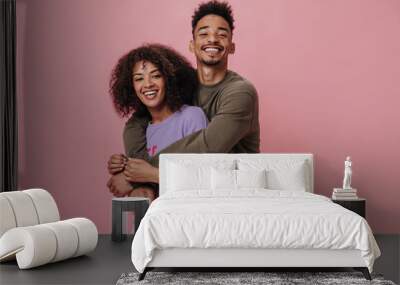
<point x="229" y="101"/>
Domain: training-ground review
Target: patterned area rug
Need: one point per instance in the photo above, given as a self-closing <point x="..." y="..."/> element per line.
<point x="244" y="278"/>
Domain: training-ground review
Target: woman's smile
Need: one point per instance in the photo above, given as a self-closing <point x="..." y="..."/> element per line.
<point x="150" y="94"/>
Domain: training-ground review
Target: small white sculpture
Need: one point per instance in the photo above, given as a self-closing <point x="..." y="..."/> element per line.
<point x="347" y="174"/>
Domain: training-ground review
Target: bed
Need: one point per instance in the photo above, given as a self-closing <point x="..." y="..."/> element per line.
<point x="247" y="210"/>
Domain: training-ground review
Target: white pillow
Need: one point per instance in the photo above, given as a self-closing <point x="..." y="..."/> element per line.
<point x="223" y="179"/>
<point x="251" y="178"/>
<point x="182" y="178"/>
<point x="193" y="175"/>
<point x="226" y="179"/>
<point x="281" y="174"/>
<point x="289" y="179"/>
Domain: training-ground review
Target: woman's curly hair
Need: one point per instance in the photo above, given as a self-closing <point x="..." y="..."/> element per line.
<point x="180" y="79"/>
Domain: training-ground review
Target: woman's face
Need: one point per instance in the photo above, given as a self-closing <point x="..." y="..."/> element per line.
<point x="149" y="84"/>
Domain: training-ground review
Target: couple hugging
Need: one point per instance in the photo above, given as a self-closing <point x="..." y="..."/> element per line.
<point x="177" y="109"/>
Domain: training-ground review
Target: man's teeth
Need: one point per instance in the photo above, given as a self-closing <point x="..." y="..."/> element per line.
<point x="211" y="50"/>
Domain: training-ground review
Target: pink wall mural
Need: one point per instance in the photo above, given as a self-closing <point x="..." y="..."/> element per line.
<point x="327" y="74"/>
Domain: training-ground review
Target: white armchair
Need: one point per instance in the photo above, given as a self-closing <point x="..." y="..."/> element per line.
<point x="31" y="230"/>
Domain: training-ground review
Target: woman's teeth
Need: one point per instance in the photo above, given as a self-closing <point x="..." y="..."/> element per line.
<point x="150" y="94"/>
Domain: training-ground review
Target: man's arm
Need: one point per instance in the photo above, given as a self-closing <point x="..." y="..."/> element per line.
<point x="135" y="137"/>
<point x="135" y="144"/>
<point x="230" y="124"/>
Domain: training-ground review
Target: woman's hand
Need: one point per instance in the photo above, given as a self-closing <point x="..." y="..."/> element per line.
<point x="116" y="163"/>
<point x="118" y="185"/>
<point x="139" y="170"/>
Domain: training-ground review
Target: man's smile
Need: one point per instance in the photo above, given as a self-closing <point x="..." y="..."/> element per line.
<point x="212" y="49"/>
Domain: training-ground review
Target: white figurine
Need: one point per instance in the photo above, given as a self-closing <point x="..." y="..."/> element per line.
<point x="347" y="174"/>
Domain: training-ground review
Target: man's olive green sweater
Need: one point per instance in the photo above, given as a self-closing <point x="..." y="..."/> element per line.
<point x="231" y="106"/>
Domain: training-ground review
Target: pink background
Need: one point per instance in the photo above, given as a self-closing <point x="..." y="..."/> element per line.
<point x="327" y="74"/>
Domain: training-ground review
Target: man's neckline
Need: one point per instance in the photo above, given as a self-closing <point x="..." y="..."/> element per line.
<point x="227" y="74"/>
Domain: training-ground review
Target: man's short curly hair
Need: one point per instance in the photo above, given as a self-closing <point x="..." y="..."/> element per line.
<point x="222" y="9"/>
<point x="180" y="79"/>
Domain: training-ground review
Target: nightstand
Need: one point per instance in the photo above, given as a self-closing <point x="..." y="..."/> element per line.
<point x="137" y="205"/>
<point x="356" y="205"/>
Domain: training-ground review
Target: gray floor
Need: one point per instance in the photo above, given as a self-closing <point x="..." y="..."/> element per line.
<point x="110" y="260"/>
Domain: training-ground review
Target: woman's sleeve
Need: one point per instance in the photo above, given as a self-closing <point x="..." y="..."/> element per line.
<point x="195" y="120"/>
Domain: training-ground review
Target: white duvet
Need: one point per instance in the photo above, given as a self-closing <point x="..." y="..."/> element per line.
<point x="250" y="219"/>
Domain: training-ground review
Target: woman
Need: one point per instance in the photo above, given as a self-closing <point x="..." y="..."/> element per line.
<point x="157" y="82"/>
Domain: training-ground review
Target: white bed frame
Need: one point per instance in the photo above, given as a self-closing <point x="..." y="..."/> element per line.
<point x="242" y="258"/>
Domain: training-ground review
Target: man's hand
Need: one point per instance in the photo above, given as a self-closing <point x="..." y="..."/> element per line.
<point x="119" y="186"/>
<point x="116" y="163"/>
<point x="139" y="170"/>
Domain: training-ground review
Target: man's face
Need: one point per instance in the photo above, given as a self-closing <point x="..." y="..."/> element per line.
<point x="212" y="41"/>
